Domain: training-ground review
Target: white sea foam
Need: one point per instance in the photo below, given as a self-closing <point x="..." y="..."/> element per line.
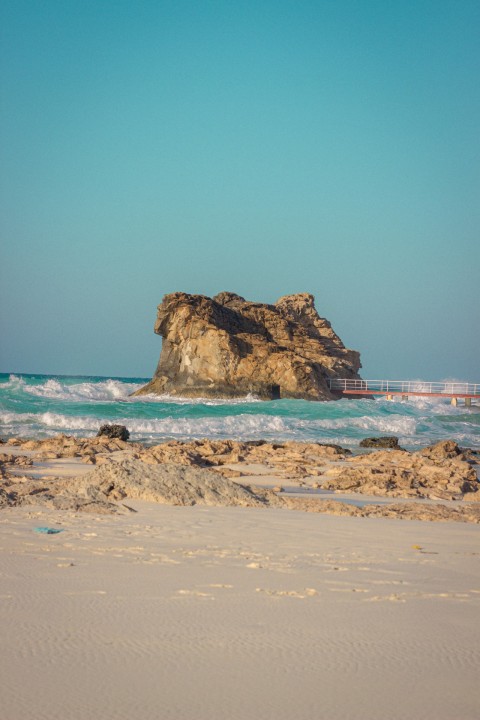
<point x="108" y="390"/>
<point x="14" y="381"/>
<point x="103" y="391"/>
<point x="241" y="426"/>
<point x="49" y="420"/>
<point x="178" y="400"/>
<point x="398" y="424"/>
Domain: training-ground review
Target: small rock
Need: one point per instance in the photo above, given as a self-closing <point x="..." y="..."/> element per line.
<point x="390" y="441"/>
<point x="336" y="449"/>
<point x="442" y="450"/>
<point x="114" y="431"/>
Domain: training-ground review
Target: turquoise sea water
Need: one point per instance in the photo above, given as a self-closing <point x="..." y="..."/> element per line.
<point x="44" y="405"/>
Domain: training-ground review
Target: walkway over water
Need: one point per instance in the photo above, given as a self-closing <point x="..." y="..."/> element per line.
<point x="406" y="388"/>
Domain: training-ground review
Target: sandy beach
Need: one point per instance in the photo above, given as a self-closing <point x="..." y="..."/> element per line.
<point x="196" y="613"/>
<point x="206" y="613"/>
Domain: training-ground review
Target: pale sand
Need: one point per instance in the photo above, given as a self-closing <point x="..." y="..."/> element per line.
<point x="208" y="613"/>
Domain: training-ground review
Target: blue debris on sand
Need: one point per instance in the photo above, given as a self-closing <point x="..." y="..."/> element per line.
<point x="47" y="530"/>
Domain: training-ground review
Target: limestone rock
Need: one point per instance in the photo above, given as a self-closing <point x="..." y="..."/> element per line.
<point x="296" y="458"/>
<point x="398" y="473"/>
<point x="442" y="450"/>
<point x="170" y="484"/>
<point x="399" y="510"/>
<point x="228" y="347"/>
<point x="62" y="446"/>
<point x="115" y="481"/>
<point x="191" y="473"/>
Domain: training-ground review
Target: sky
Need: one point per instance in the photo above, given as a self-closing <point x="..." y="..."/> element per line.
<point x="264" y="147"/>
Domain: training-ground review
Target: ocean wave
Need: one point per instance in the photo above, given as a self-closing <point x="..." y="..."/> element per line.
<point x="344" y="431"/>
<point x="397" y="424"/>
<point x="108" y="390"/>
<point x="103" y="391"/>
<point x="55" y="421"/>
<point x="178" y="400"/>
<point x="220" y="426"/>
<point x="41" y="406"/>
<point x="241" y="426"/>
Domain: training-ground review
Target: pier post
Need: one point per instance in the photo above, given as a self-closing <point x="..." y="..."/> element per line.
<point x="468" y="402"/>
<point x="404" y="397"/>
<point x="454" y="401"/>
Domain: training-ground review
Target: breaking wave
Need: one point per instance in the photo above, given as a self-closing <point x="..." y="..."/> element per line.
<point x="107" y="390"/>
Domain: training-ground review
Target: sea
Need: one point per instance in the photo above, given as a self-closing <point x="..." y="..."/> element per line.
<point x="40" y="406"/>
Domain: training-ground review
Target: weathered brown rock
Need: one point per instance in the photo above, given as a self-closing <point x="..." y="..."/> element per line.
<point x="229" y="347"/>
<point x="113" y="482"/>
<point x="433" y="474"/>
<point x="170" y="484"/>
<point x="431" y="512"/>
<point x="17" y="460"/>
<point x="295" y="458"/>
<point x="442" y="450"/>
<point x="64" y="446"/>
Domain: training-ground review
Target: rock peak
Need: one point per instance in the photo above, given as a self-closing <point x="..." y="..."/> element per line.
<point x="229" y="347"/>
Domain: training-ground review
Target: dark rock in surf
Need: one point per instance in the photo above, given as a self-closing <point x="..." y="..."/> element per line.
<point x="114" y="431"/>
<point x="390" y="441"/>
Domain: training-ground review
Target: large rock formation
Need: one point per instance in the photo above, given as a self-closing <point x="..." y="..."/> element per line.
<point x="229" y="347"/>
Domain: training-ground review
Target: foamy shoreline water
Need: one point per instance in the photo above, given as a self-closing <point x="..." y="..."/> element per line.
<point x="42" y="406"/>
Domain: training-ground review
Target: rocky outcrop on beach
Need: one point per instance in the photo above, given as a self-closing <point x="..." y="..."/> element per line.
<point x="226" y="347"/>
<point x="431" y="512"/>
<point x="441" y="471"/>
<point x="68" y="446"/>
<point x="169" y="484"/>
<point x="229" y="472"/>
<point x="113" y="482"/>
<point x="233" y="458"/>
<point x="110" y="487"/>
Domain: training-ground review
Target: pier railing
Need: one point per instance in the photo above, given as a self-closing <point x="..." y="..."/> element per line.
<point x="405" y="387"/>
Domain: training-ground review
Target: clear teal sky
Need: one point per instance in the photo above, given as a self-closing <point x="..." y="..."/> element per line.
<point x="263" y="147"/>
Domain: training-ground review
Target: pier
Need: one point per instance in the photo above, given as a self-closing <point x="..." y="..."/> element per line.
<point x="407" y="388"/>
